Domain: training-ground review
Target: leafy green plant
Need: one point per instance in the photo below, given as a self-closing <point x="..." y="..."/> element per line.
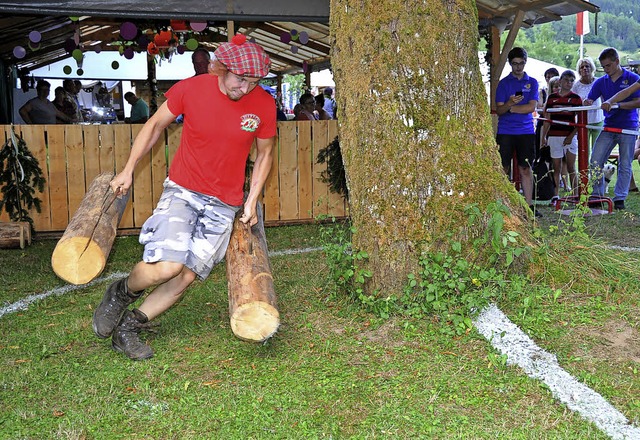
<point x="344" y="264"/>
<point x="334" y="174"/>
<point x="450" y="284"/>
<point x="20" y="176"/>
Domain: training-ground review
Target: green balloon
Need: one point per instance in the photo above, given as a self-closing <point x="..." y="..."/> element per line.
<point x="192" y="44"/>
<point x="77" y="54"/>
<point x="74" y="18"/>
<point x="66" y="70"/>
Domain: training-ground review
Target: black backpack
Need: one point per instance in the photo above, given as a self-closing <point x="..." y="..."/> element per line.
<point x="543" y="184"/>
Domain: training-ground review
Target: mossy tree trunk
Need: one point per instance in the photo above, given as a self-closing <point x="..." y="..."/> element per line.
<point x="415" y="129"/>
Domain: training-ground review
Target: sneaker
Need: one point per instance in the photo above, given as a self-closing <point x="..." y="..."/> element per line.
<point x="115" y="301"/>
<point x="618" y="204"/>
<point x="554" y="199"/>
<point x="126" y="336"/>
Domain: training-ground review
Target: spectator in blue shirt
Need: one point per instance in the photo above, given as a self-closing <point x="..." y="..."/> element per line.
<point x="516" y="100"/>
<point x="615" y="80"/>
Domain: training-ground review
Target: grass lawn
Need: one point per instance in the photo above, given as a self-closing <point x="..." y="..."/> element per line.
<point x="333" y="370"/>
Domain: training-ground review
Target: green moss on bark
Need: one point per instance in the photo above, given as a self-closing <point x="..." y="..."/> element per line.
<point x="415" y="129"/>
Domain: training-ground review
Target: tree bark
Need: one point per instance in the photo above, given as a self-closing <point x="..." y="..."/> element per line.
<point x="83" y="249"/>
<point x="253" y="311"/>
<point x="415" y="130"/>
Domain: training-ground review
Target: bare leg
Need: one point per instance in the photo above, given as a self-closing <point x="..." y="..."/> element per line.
<point x="526" y="179"/>
<point x="171" y="280"/>
<point x="557" y="167"/>
<point x="570" y="159"/>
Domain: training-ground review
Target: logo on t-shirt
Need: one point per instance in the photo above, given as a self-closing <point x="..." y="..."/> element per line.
<point x="249" y="122"/>
<point x="527" y="87"/>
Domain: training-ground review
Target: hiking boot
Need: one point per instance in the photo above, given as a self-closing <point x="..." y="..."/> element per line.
<point x="618" y="204"/>
<point x="126" y="336"/>
<point x="114" y="302"/>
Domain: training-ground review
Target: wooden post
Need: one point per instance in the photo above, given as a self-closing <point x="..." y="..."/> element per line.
<point x="82" y="252"/>
<point x="252" y="299"/>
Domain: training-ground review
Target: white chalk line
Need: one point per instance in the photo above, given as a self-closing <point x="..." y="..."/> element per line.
<point x="623" y="248"/>
<point x="509" y="340"/>
<point x="24" y="303"/>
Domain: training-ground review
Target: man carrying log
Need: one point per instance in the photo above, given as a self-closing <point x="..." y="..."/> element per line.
<point x="188" y="232"/>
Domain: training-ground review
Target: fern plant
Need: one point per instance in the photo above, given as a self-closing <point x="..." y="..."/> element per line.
<point x="334" y="175"/>
<point x="20" y="177"/>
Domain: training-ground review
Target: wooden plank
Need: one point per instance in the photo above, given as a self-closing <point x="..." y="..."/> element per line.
<point x="107" y="149"/>
<point x="271" y="200"/>
<point x="75" y="167"/>
<point x="174" y="132"/>
<point x="159" y="169"/>
<point x="289" y="172"/>
<point x="337" y="204"/>
<point x="122" y="148"/>
<point x="91" y="136"/>
<point x="305" y="173"/>
<point x="142" y="187"/>
<point x="4" y="217"/>
<point x="320" y="189"/>
<point x="58" y="177"/>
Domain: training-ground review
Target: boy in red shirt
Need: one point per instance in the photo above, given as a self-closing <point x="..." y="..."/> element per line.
<point x="560" y="138"/>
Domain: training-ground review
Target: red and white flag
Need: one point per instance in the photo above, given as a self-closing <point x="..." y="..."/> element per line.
<point x="582" y="23"/>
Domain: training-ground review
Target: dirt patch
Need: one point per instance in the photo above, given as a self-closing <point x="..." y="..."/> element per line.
<point x="616" y="340"/>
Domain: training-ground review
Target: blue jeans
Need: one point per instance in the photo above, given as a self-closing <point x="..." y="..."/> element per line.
<point x="601" y="150"/>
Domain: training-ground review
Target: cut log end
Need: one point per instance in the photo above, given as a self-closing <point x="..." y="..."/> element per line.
<point x="255" y="321"/>
<point x="77" y="262"/>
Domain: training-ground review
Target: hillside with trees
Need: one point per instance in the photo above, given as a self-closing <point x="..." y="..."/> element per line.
<point x="618" y="26"/>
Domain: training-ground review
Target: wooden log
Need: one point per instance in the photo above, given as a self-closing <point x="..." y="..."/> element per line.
<point x="12" y="235"/>
<point x="83" y="249"/>
<point x="252" y="298"/>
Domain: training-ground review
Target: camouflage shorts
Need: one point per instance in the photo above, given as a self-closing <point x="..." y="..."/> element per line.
<point x="188" y="228"/>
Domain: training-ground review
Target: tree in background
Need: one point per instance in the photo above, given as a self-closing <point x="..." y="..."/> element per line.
<point x="415" y="131"/>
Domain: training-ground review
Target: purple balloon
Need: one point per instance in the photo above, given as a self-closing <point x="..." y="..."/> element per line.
<point x="294" y="49"/>
<point x="303" y="38"/>
<point x="128" y="53"/>
<point x="19" y="52"/>
<point x="98" y="48"/>
<point x="181" y="49"/>
<point x="35" y="36"/>
<point x="198" y="26"/>
<point x="128" y="30"/>
<point x="285" y="37"/>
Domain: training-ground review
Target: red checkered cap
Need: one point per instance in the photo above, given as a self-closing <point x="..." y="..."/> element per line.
<point x="243" y="57"/>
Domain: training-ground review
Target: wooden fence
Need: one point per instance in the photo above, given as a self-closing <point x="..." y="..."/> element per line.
<point x="72" y="155"/>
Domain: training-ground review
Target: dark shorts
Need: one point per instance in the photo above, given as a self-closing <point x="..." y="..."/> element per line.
<point x="524" y="146"/>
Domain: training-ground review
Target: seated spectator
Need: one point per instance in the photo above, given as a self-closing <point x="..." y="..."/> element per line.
<point x="40" y="110"/>
<point x="330" y="103"/>
<point x="63" y="106"/>
<point x="280" y="114"/>
<point x="139" y="109"/>
<point x="307" y="106"/>
<point x="200" y="60"/>
<point x="321" y="113"/>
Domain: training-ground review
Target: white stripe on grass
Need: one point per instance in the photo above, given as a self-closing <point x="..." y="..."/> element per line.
<point x="509" y="340"/>
<point x="24" y="303"/>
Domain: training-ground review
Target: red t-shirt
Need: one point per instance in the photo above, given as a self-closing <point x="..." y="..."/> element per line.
<point x="217" y="135"/>
<point x="556" y="100"/>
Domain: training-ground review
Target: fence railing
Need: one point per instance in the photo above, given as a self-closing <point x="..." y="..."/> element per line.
<point x="71" y="156"/>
